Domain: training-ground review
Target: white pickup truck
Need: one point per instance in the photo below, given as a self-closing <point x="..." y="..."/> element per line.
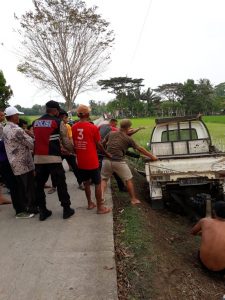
<point x="189" y="169"/>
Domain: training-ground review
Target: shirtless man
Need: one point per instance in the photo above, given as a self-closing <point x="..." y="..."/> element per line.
<point x="212" y="231"/>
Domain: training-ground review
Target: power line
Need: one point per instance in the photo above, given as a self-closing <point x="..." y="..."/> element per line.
<point x="141" y="31"/>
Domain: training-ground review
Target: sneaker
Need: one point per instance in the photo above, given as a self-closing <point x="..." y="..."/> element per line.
<point x="33" y="210"/>
<point x="44" y="214"/>
<point x="52" y="190"/>
<point x="68" y="212"/>
<point x="24" y="215"/>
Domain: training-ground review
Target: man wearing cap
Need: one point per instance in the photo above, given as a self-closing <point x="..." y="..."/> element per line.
<point x="67" y="155"/>
<point x="49" y="132"/>
<point x="86" y="138"/>
<point x="18" y="145"/>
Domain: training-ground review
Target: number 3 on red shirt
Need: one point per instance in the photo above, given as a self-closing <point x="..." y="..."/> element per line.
<point x="80" y="133"/>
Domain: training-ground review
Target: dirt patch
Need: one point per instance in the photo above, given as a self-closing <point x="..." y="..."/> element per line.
<point x="166" y="265"/>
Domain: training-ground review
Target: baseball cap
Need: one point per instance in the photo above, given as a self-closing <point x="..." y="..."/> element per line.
<point x="52" y="104"/>
<point x="62" y="112"/>
<point x="11" y="110"/>
<point x="83" y="109"/>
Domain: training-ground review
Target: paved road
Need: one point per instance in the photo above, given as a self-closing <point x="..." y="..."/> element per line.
<point x="58" y="259"/>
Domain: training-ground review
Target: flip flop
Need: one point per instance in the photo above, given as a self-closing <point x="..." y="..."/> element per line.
<point x="93" y="205"/>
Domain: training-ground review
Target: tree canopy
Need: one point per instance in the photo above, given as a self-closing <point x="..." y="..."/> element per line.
<point x="121" y="85"/>
<point x="67" y="45"/>
<point x="127" y="91"/>
<point x="5" y="91"/>
<point x="168" y="99"/>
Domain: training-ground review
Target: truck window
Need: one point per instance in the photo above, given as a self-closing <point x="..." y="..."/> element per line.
<point x="181" y="135"/>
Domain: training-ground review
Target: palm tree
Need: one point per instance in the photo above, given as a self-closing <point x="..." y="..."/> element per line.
<point x="150" y="97"/>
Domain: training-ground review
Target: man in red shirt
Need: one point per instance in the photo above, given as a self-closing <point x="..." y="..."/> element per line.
<point x="86" y="138"/>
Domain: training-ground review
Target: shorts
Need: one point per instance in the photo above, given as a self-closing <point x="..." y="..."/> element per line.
<point x="119" y="167"/>
<point x="93" y="175"/>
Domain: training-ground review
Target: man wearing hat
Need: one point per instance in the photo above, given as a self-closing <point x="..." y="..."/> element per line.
<point x="86" y="138"/>
<point x="18" y="145"/>
<point x="49" y="131"/>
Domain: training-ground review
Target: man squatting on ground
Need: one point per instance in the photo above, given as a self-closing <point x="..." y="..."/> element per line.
<point x="117" y="144"/>
<point x="86" y="138"/>
<point x="212" y="247"/>
<point x="49" y="132"/>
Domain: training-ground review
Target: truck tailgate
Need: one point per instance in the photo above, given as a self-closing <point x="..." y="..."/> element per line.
<point x="187" y="167"/>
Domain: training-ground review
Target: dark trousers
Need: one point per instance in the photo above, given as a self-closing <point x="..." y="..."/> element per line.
<point x="26" y="190"/>
<point x="10" y="180"/>
<point x="71" y="160"/>
<point x="119" y="182"/>
<point x="59" y="179"/>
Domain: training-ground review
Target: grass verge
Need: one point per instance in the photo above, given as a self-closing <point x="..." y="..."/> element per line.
<point x="134" y="250"/>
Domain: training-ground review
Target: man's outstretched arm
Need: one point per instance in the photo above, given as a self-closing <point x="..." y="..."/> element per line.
<point x="134" y="130"/>
<point x="146" y="153"/>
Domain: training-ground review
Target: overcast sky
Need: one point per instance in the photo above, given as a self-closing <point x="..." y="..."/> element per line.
<point x="161" y="41"/>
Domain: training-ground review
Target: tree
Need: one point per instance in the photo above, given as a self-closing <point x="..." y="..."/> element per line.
<point x="150" y="97"/>
<point x="189" y="91"/>
<point x="67" y="45"/>
<point x="169" y="108"/>
<point x="5" y="91"/>
<point x="205" y="96"/>
<point x="170" y="91"/>
<point x="127" y="91"/>
<point x="220" y="89"/>
<point x="219" y="100"/>
<point x="198" y="97"/>
<point x="97" y="108"/>
<point x="121" y="85"/>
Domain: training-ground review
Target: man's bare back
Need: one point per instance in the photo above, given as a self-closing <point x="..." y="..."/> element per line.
<point x="212" y="248"/>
